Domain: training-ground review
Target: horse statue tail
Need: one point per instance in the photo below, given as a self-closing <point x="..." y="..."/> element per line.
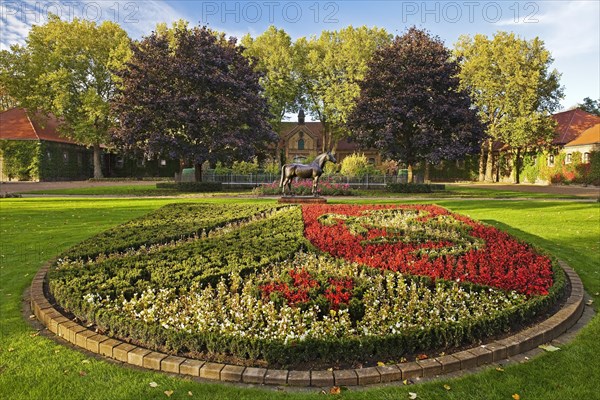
<point x="282" y="175"/>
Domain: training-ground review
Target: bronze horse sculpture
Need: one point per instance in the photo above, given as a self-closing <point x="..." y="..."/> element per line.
<point x="313" y="170"/>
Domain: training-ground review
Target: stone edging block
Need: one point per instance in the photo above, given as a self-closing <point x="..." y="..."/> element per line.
<point x="489" y="353"/>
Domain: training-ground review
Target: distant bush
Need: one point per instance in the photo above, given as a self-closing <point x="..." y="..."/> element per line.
<point x="358" y="165"/>
<point x="245" y="167"/>
<point x="304" y="188"/>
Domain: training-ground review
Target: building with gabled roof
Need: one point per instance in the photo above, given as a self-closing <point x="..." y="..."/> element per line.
<point x="571" y="124"/>
<point x="31" y="148"/>
<point x="301" y="140"/>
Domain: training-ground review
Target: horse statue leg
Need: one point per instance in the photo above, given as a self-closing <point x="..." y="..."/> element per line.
<point x="315" y="184"/>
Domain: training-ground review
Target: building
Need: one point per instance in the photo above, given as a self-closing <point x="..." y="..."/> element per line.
<point x="301" y="140"/>
<point x="585" y="143"/>
<point x="32" y="149"/>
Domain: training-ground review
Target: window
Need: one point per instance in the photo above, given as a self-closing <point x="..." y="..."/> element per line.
<point x="119" y="162"/>
<point x="301" y="144"/>
<point x="568" y="159"/>
<point x="586" y="158"/>
<point x="163" y="163"/>
<point x="372" y="161"/>
<point x="551" y="160"/>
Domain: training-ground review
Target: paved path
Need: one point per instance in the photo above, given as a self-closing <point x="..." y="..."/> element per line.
<point x="16" y="187"/>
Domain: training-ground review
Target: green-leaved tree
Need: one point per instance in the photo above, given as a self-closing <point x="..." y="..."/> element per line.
<point x="66" y="69"/>
<point x="272" y="54"/>
<point x="510" y="82"/>
<point x="331" y="67"/>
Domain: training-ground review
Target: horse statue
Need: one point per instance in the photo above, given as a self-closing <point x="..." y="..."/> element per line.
<point x="313" y="170"/>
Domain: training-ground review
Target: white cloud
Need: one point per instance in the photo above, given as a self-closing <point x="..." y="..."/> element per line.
<point x="569" y="28"/>
<point x="136" y="17"/>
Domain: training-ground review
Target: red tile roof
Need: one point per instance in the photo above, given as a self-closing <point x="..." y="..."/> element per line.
<point x="15" y="124"/>
<point x="571" y="124"/>
<point x="589" y="136"/>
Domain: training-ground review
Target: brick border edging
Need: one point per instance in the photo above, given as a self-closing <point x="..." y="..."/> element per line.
<point x="520" y="342"/>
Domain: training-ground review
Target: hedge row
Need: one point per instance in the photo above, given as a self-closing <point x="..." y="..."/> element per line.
<point x="413" y="187"/>
<point x="204" y="261"/>
<point x="171" y="222"/>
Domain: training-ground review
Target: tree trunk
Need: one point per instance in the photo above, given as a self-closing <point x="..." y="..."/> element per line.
<point x="426" y="177"/>
<point x="198" y="172"/>
<point x="482" y="162"/>
<point x="517" y="165"/>
<point x="489" y="167"/>
<point x="97" y="162"/>
<point x="409" y="178"/>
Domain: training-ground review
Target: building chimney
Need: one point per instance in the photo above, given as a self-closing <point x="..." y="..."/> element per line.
<point x="301" y="117"/>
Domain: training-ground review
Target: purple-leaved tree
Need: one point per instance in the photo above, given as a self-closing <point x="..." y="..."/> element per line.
<point x="410" y="107"/>
<point x="190" y="94"/>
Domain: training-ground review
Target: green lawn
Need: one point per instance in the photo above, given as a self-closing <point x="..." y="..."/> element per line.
<point x="450" y="192"/>
<point x="34" y="367"/>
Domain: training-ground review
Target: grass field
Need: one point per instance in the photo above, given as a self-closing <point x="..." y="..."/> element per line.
<point x="151" y="190"/>
<point x="34" y="367"/>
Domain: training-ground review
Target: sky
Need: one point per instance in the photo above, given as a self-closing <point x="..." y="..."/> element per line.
<point x="569" y="29"/>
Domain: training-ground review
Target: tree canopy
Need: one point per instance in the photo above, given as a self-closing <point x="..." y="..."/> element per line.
<point x="273" y="55"/>
<point x="190" y="94"/>
<point x="509" y="80"/>
<point x="331" y="67"/>
<point x="410" y="106"/>
<point x="66" y="69"/>
<point x="591" y="106"/>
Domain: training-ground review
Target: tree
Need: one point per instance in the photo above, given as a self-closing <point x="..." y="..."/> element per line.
<point x="410" y="107"/>
<point x="591" y="106"/>
<point x="272" y="54"/>
<point x="509" y="81"/>
<point x="66" y="69"/>
<point x="191" y="94"/>
<point x="331" y="68"/>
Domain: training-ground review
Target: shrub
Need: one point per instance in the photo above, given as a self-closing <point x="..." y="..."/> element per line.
<point x="357" y="165"/>
<point x="245" y="167"/>
<point x="200" y="187"/>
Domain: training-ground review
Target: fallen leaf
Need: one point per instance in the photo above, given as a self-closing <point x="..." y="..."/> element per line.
<point x="56" y="351"/>
<point x="422" y="357"/>
<point x="589" y="302"/>
<point x="335" y="390"/>
<point x="82" y="373"/>
<point x="190" y="393"/>
<point x="447" y="387"/>
<point x="168" y="393"/>
<point x="380" y="363"/>
<point x="329" y="369"/>
<point x="32" y="316"/>
<point x="548" y="347"/>
<point x="412" y="395"/>
<point x="500" y="369"/>
<point x="407" y="382"/>
<point x="153" y="384"/>
<point x="442" y="354"/>
<point x="516" y="396"/>
<point x="85" y="361"/>
<point x="11" y="349"/>
<point x="34" y="334"/>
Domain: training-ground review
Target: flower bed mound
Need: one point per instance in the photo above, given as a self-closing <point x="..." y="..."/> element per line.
<point x="315" y="287"/>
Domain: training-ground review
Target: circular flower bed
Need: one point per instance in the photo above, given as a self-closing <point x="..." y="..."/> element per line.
<point x="312" y="286"/>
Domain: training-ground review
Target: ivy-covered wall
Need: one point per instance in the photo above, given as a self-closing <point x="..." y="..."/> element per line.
<point x="62" y="161"/>
<point x="20" y="159"/>
<point x="448" y="171"/>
